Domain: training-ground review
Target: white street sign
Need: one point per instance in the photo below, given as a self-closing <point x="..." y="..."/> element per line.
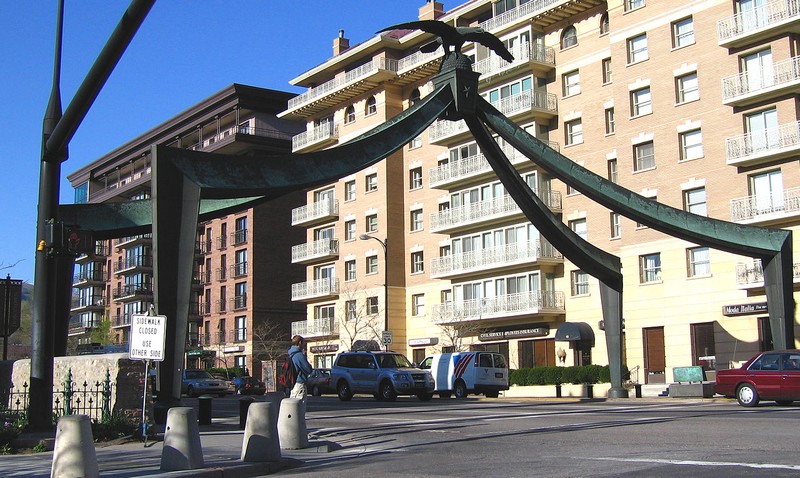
<point x="148" y="334"/>
<point x="387" y="337"/>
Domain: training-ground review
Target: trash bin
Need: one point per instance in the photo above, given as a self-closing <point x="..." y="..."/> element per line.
<point x="204" y="415"/>
<point x="244" y="405"/>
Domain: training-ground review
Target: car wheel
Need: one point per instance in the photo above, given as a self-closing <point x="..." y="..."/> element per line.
<point x="461" y="389"/>
<point x="344" y="392"/>
<point x="746" y="395"/>
<point x="315" y="391"/>
<point x="387" y="391"/>
<point x="784" y="403"/>
<point x="190" y="391"/>
<point x="444" y="394"/>
<point x="424" y="396"/>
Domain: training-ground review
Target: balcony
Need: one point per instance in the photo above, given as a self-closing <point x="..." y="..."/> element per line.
<point x="472" y="168"/>
<point x="770" y="82"/>
<point x="539" y="12"/>
<point x="325" y="327"/>
<point x="764" y="21"/>
<point x="239" y="270"/>
<point x="222" y="274"/>
<point x="766" y="208"/>
<point x="203" y="247"/>
<point x="537" y="58"/>
<point x="500" y="257"/>
<point x="539" y="104"/>
<point x="315" y="290"/>
<point x="342" y="88"/>
<point x="131" y="241"/>
<point x="750" y="275"/>
<point x="82" y="325"/>
<point x="239" y="302"/>
<point x="239" y="237"/>
<point x="222" y="306"/>
<point x="314" y="251"/>
<point x="100" y="250"/>
<point x="418" y="66"/>
<point x="123" y="320"/>
<point x="445" y="132"/>
<point x="315" y="213"/>
<point x="239" y="334"/>
<point x="88" y="278"/>
<point x="133" y="264"/>
<point x="753" y="149"/>
<point x="320" y="136"/>
<point x="222" y="242"/>
<point x="524" y="304"/>
<point x="130" y="292"/>
<point x="88" y="304"/>
<point x="484" y="213"/>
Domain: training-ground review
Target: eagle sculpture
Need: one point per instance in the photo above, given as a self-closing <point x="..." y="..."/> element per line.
<point x="454" y="37"/>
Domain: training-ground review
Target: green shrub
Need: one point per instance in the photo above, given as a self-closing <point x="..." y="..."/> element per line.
<point x="552" y="375"/>
<point x="518" y="377"/>
<point x="557" y="375"/>
<point x="118" y="425"/>
<point x="536" y="376"/>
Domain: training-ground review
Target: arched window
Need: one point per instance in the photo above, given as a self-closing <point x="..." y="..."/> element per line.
<point x="569" y="37"/>
<point x="415" y="96"/>
<point x="349" y="114"/>
<point x="372" y="106"/>
<point x="605" y="27"/>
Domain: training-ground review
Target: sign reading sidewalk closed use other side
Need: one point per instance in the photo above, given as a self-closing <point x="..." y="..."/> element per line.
<point x="148" y="334"/>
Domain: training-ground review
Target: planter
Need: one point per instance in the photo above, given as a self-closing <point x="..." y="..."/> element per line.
<point x="552" y="391"/>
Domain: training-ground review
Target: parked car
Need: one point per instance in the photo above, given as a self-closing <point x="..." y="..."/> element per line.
<point x="199" y="382"/>
<point x="462" y="373"/>
<point x="249" y="386"/>
<point x="773" y="375"/>
<point x="319" y="382"/>
<point x="384" y="375"/>
<point x="228" y="381"/>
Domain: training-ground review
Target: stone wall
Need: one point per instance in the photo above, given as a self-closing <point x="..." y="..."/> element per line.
<point x="127" y="377"/>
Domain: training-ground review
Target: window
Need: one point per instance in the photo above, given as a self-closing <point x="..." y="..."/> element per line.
<point x="698" y="262"/>
<point x="611" y="128"/>
<point x="580" y="283"/>
<point x="686" y="88"/>
<point x="569" y="37"/>
<point x="372" y="223"/>
<point x="414" y="97"/>
<point x="350" y="230"/>
<point x="571" y="83"/>
<point x="240" y="267"/>
<point x="372" y="265"/>
<point x="349" y="190"/>
<point x="633" y="4"/>
<point x="644" y="157"/>
<point x="641" y="102"/>
<point x="758" y="70"/>
<point x="415" y="143"/>
<point x="762" y="130"/>
<point x="418" y="305"/>
<point x="605" y="25"/>
<point x="349" y="115"/>
<point x="240" y="299"/>
<point x="606" y="67"/>
<point x="240" y="236"/>
<point x="767" y="191"/>
<point x="240" y="334"/>
<point x="578" y="226"/>
<point x="691" y="145"/>
<point x="637" y="48"/>
<point x="322" y="312"/>
<point x="372" y="305"/>
<point x="350" y="310"/>
<point x="694" y="201"/>
<point x="372" y="106"/>
<point x="616" y="225"/>
<point x="417" y="263"/>
<point x="350" y="270"/>
<point x="612" y="170"/>
<point x="514" y="89"/>
<point x="415" y="178"/>
<point x="650" y="268"/>
<point x="574" y="132"/>
<point x="683" y="33"/>
<point x="416" y="220"/>
<point x="372" y="182"/>
<point x="704" y="348"/>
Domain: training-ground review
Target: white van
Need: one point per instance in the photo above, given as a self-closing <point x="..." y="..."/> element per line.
<point x="463" y="373"/>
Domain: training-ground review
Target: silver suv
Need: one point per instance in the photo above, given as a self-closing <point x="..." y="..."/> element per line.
<point x="385" y="375"/>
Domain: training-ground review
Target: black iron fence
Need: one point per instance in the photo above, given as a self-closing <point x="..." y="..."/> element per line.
<point x="70" y="397"/>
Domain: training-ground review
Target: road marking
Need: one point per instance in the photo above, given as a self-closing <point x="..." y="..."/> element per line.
<point x="703" y="463"/>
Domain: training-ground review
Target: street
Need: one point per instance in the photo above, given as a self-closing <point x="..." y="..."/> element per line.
<point x="518" y="437"/>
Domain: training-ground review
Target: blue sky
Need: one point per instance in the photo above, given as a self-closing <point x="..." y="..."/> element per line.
<point x="184" y="52"/>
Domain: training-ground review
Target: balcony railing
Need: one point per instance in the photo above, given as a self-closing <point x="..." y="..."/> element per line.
<point x="493" y="257"/>
<point x="239" y="237"/>
<point x="524" y="303"/>
<point x="131" y="240"/>
<point x="472" y="166"/>
<point x="324" y="327"/>
<point x="222" y="305"/>
<point x="523" y="54"/>
<point x="132" y="290"/>
<point x="751" y="273"/>
<point x="443" y="129"/>
<point x="123" y="320"/>
<point x="240" y="302"/>
<point x="524" y="10"/>
<point x="240" y="334"/>
<point x="527" y="101"/>
<point x="319" y="134"/>
<point x="222" y="242"/>
<point x="766" y="206"/>
<point x="466" y="214"/>
<point x="751" y="85"/>
<point x="222" y="273"/>
<point x="98" y="301"/>
<point x="320" y="210"/>
<point x="764" y="18"/>
<point x="417" y="59"/>
<point x="133" y="262"/>
<point x="94" y="275"/>
<point x="315" y="250"/>
<point x="315" y="288"/>
<point x="763" y="145"/>
<point x="239" y="269"/>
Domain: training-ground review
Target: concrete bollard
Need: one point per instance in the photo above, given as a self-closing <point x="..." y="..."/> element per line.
<point x="182" y="449"/>
<point x="292" y="429"/>
<point x="73" y="453"/>
<point x="261" y="433"/>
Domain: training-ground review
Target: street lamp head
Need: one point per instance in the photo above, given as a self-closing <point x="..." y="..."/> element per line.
<point x="364" y="237"/>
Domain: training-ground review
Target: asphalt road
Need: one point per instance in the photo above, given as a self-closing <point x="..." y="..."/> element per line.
<point x="525" y="438"/>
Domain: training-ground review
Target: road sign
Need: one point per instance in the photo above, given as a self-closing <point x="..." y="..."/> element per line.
<point x="387" y="337"/>
<point x="148" y="334"/>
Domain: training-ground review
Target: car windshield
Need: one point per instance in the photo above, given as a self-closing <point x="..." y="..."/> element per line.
<point x="393" y="361"/>
<point x="197" y="374"/>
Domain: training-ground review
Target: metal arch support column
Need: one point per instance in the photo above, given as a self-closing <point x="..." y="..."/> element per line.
<point x="780" y="298"/>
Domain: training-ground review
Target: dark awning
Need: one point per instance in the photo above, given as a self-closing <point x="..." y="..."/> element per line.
<point x="575" y="331"/>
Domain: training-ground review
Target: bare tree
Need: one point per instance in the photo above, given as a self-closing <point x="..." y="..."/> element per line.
<point x="269" y="340"/>
<point x="9" y="266"/>
<point x="357" y="321"/>
<point x="455" y="330"/>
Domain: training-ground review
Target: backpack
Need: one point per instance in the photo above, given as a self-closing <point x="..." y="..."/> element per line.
<point x="287" y="376"/>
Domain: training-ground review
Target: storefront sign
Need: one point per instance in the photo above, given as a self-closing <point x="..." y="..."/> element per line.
<point x="427" y="341"/>
<point x="514" y="334"/>
<point x="324" y="349"/>
<point x="744" y="309"/>
<point x="233" y="349"/>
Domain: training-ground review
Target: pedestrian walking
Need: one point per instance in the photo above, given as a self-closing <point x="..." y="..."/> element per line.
<point x="301" y="367"/>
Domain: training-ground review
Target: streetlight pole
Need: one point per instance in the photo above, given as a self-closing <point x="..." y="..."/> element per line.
<point x="383" y="243"/>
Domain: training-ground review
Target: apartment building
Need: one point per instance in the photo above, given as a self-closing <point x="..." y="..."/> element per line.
<point x="692" y="103"/>
<point x="241" y="293"/>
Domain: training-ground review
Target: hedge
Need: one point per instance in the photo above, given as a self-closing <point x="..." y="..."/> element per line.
<point x="556" y="375"/>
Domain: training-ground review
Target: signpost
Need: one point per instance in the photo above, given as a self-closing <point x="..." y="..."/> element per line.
<point x="148" y="336"/>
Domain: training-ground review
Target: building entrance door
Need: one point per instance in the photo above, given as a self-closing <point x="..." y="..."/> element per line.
<point x="655" y="362"/>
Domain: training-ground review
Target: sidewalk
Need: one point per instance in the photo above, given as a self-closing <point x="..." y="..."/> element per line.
<point x="222" y="447"/>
